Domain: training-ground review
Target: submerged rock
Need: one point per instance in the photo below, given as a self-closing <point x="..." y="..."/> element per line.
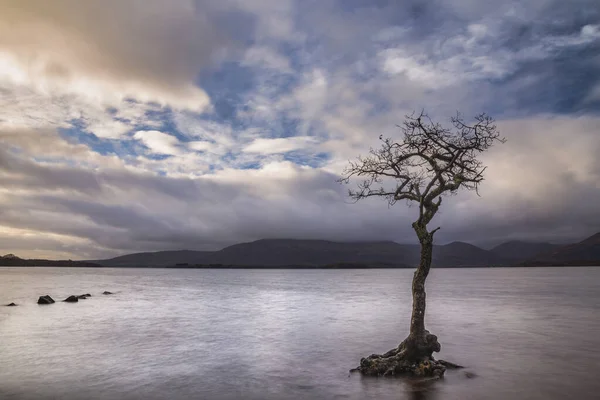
<point x="45" y="300"/>
<point x="11" y="305"/>
<point x="107" y="292"/>
<point x="84" y="296"/>
<point x="71" y="299"/>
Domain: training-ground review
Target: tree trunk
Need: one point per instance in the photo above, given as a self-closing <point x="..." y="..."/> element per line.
<point x="417" y="321"/>
<point x="420" y="344"/>
<point x="414" y="355"/>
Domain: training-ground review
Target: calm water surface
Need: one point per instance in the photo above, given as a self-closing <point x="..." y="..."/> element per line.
<point x="293" y="334"/>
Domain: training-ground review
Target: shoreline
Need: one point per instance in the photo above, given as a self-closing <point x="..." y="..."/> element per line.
<point x="294" y="267"/>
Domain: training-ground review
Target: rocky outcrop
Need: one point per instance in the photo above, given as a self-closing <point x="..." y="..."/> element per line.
<point x="71" y="299"/>
<point x="11" y="305"/>
<point x="107" y="292"/>
<point x="45" y="300"/>
<point x="84" y="296"/>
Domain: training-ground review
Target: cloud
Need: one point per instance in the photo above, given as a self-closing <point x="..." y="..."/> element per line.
<point x="159" y="142"/>
<point x="202" y="145"/>
<point x="50" y="245"/>
<point x="265" y="57"/>
<point x="529" y="187"/>
<point x="279" y="145"/>
<point x="197" y="124"/>
<point x="109" y="51"/>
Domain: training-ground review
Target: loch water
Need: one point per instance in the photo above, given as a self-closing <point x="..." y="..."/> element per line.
<point x="294" y="334"/>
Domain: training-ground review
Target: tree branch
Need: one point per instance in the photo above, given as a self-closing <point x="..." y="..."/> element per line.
<point x="430" y="161"/>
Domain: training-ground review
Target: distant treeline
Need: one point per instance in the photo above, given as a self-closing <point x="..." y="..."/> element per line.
<point x="19" y="262"/>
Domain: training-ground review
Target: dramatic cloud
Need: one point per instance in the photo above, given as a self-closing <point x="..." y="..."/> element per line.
<point x="278" y="145"/>
<point x="107" y="51"/>
<point x="131" y="126"/>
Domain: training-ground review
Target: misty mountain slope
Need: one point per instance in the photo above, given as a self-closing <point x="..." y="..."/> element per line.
<point x="281" y="252"/>
<point x="458" y="254"/>
<point x="271" y="252"/>
<point x="518" y="251"/>
<point x="278" y="252"/>
<point x="159" y="258"/>
<point x="586" y="252"/>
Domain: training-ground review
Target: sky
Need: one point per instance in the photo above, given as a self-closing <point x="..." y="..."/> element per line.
<point x="129" y="125"/>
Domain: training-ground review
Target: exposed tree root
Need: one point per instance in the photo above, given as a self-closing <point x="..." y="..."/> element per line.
<point x="412" y="357"/>
<point x="450" y="365"/>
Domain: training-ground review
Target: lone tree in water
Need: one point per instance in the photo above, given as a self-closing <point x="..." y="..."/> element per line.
<point x="431" y="161"/>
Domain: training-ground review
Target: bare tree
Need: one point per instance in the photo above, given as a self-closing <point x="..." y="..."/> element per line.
<point x="431" y="161"/>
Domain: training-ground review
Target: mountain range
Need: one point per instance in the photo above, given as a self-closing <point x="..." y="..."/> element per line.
<point x="320" y="253"/>
<point x="289" y="252"/>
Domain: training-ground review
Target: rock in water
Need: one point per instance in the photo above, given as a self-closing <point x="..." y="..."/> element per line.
<point x="45" y="300"/>
<point x="84" y="296"/>
<point x="11" y="305"/>
<point x="107" y="292"/>
<point x="71" y="299"/>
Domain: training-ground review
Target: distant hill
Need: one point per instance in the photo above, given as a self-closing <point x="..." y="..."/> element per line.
<point x="278" y="252"/>
<point x="519" y="251"/>
<point x="271" y="252"/>
<point x="10" y="260"/>
<point x="460" y="254"/>
<point x="158" y="258"/>
<point x="586" y="252"/>
<point x="288" y="252"/>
